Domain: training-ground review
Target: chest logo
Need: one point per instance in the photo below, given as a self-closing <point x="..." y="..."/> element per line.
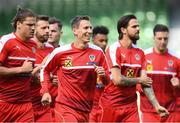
<point x="92" y="57"/>
<point x="170" y="63"/>
<point x="68" y="63"/>
<point x="149" y="67"/>
<point x="130" y="73"/>
<point x="137" y="57"/>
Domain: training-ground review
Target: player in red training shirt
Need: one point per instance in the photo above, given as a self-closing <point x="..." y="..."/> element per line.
<point x="16" y="64"/>
<point x="119" y="100"/>
<point x="55" y="33"/>
<point x="41" y="113"/>
<point x="78" y="74"/>
<point x="99" y="38"/>
<point x="163" y="68"/>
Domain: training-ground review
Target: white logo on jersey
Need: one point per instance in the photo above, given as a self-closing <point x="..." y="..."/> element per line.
<point x="149" y="61"/>
<point x="18" y="47"/>
<point x="137" y="57"/>
<point x="123" y="55"/>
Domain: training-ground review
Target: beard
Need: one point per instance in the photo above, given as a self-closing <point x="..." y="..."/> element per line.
<point x="42" y="38"/>
<point x="134" y="38"/>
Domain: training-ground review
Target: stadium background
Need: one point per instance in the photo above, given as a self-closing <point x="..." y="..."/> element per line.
<point x="102" y="12"/>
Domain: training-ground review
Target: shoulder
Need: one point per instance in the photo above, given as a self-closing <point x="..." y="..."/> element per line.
<point x="6" y="39"/>
<point x="174" y="54"/>
<point x="148" y="51"/>
<point x="62" y="49"/>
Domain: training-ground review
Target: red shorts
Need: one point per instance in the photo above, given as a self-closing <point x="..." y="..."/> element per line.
<point x="10" y="112"/>
<point x="120" y="114"/>
<point x="43" y="115"/>
<point x="154" y="117"/>
<point x="65" y="113"/>
<point x="95" y="115"/>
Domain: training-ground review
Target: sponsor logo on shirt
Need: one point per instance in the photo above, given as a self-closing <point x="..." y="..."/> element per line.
<point x="137" y="57"/>
<point x="68" y="63"/>
<point x="149" y="67"/>
<point x="130" y="73"/>
<point x="92" y="57"/>
<point x="92" y="63"/>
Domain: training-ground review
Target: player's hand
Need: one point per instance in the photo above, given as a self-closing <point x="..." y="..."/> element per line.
<point x="99" y="70"/>
<point x="27" y="67"/>
<point x="163" y="112"/>
<point x="145" y="80"/>
<point x="46" y="99"/>
<point x="175" y="82"/>
<point x="55" y="80"/>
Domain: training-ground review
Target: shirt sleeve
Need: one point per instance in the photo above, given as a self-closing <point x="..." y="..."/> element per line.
<point x="113" y="57"/>
<point x="47" y="68"/>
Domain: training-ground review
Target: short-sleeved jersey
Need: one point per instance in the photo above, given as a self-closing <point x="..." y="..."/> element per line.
<point x="77" y="77"/>
<point x="161" y="68"/>
<point x="41" y="53"/>
<point x="130" y="62"/>
<point x="13" y="52"/>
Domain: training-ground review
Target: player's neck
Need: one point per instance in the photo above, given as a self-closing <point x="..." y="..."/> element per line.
<point x="38" y="43"/>
<point x="20" y="36"/>
<point x="126" y="43"/>
<point x="80" y="45"/>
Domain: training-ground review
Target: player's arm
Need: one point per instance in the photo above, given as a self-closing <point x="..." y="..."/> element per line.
<point x="148" y="90"/>
<point x="120" y="80"/>
<point x="45" y="78"/>
<point x="26" y="67"/>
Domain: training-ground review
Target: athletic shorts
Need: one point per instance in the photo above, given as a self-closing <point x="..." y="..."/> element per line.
<point x="119" y="114"/>
<point x="43" y="115"/>
<point x="154" y="117"/>
<point x="10" y="112"/>
<point x="65" y="113"/>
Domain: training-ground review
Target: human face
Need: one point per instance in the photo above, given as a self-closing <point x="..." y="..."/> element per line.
<point x="26" y="28"/>
<point x="42" y="30"/>
<point x="83" y="32"/>
<point x="54" y="33"/>
<point x="101" y="40"/>
<point x="133" y="30"/>
<point x="161" y="41"/>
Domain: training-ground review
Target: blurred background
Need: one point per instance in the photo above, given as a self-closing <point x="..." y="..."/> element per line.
<point x="102" y="12"/>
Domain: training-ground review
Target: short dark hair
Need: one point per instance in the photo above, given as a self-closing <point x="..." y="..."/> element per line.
<point x="42" y="18"/>
<point x="100" y="30"/>
<point x="21" y="14"/>
<point x="76" y="21"/>
<point x="123" y="22"/>
<point x="160" y="28"/>
<point x="54" y="20"/>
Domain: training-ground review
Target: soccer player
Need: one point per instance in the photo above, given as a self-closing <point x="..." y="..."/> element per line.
<point x="163" y="66"/>
<point x="17" y="57"/>
<point x="79" y="63"/>
<point x="55" y="32"/>
<point x="41" y="113"/>
<point x="99" y="38"/>
<point x="119" y="100"/>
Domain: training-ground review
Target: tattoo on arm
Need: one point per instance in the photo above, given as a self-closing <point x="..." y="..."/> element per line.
<point x="150" y="95"/>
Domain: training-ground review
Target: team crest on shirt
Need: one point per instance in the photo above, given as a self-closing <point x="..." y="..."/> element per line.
<point x="170" y="63"/>
<point x="92" y="57"/>
<point x="137" y="57"/>
<point x="130" y="73"/>
<point x="68" y="63"/>
<point x="33" y="49"/>
<point x="149" y="67"/>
